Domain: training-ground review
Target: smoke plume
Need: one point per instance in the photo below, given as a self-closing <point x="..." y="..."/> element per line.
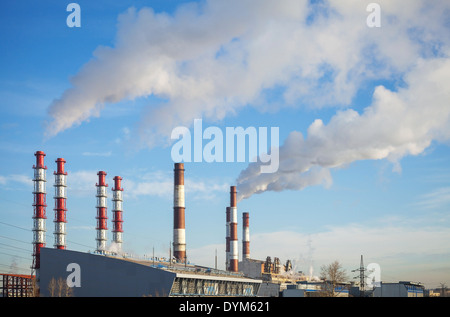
<point x="212" y="58"/>
<point x="396" y="124"/>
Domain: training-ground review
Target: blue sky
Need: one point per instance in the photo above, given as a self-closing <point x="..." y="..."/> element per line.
<point x="362" y="112"/>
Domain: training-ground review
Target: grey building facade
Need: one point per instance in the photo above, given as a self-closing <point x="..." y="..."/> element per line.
<point x="94" y="275"/>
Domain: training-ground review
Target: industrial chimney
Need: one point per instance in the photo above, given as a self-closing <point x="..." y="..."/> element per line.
<point x="233" y="231"/>
<point x="179" y="231"/>
<point x="117" y="213"/>
<point x="101" y="212"/>
<point x="245" y="236"/>
<point x="39" y="206"/>
<point x="60" y="204"/>
<point x="227" y="239"/>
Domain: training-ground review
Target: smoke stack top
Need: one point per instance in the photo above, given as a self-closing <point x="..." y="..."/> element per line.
<point x="233" y="194"/>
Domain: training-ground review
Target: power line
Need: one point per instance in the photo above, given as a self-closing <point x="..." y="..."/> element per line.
<point x="18" y="256"/>
<point x="16" y="248"/>
<point x="14" y="267"/>
<point x="8" y="224"/>
<point x="47" y="235"/>
<point x="14" y="239"/>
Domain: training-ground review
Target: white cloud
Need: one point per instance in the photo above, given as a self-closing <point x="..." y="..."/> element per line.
<point x="12" y="180"/>
<point x="160" y="184"/>
<point x="109" y="153"/>
<point x="211" y="59"/>
<point x="438" y="198"/>
<point x="82" y="183"/>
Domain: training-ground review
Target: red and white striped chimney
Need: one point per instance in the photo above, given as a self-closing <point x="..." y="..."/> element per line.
<point x="101" y="212"/>
<point x="60" y="204"/>
<point x="117" y="213"/>
<point x="234" y="256"/>
<point x="179" y="230"/>
<point x="227" y="239"/>
<point x="39" y="206"/>
<point x="245" y="236"/>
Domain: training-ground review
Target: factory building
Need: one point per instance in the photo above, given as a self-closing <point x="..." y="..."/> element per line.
<point x="105" y="273"/>
<point x="400" y="289"/>
<point x="100" y="275"/>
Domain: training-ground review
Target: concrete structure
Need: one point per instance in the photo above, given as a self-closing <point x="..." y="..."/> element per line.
<point x="252" y="268"/>
<point x="95" y="275"/>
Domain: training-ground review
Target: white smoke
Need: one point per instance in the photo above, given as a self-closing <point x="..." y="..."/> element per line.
<point x="210" y="59"/>
<point x="397" y="124"/>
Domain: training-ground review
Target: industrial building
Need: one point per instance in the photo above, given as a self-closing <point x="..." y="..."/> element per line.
<point x="104" y="273"/>
<point x="400" y="289"/>
<point x="101" y="275"/>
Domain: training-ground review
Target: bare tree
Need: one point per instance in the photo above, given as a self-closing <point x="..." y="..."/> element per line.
<point x="59" y="288"/>
<point x="333" y="275"/>
<point x="52" y="287"/>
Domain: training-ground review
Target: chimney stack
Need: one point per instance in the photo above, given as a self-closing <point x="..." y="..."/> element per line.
<point x="179" y="231"/>
<point x="101" y="212"/>
<point x="245" y="236"/>
<point x="117" y="212"/>
<point x="60" y="204"/>
<point x="39" y="206"/>
<point x="227" y="239"/>
<point x="233" y="231"/>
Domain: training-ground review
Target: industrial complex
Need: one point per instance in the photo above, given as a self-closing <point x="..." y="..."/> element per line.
<point x="58" y="271"/>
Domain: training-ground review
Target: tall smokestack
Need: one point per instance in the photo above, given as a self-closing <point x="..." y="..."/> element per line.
<point x="101" y="212"/>
<point x="60" y="204"/>
<point x="179" y="231"/>
<point x="117" y="212"/>
<point x="234" y="258"/>
<point x="227" y="239"/>
<point x="245" y="236"/>
<point x="39" y="206"/>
